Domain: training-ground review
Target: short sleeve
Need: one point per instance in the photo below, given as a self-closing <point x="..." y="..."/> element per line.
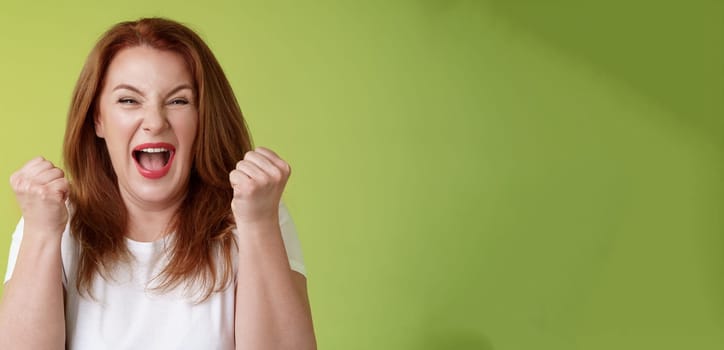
<point x="14" y="249"/>
<point x="291" y="240"/>
<point x="17" y="238"/>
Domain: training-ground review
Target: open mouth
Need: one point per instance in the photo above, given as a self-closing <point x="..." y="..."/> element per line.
<point x="154" y="160"/>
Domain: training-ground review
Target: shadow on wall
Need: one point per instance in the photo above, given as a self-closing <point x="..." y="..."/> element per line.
<point x="676" y="66"/>
<point x="454" y="339"/>
<point x="447" y="327"/>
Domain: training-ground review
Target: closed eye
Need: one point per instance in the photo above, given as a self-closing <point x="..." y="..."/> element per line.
<point x="127" y="101"/>
<point x="179" y="101"/>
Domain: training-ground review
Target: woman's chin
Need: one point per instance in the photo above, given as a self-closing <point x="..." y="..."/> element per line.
<point x="157" y="193"/>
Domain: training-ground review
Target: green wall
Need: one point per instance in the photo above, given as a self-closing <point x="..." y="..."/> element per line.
<point x="467" y="174"/>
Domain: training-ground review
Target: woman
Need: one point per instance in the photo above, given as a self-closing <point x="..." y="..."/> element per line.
<point x="169" y="233"/>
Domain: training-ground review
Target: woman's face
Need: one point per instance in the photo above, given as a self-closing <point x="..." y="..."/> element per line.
<point x="148" y="117"/>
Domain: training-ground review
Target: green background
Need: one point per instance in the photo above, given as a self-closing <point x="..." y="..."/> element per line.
<point x="467" y="174"/>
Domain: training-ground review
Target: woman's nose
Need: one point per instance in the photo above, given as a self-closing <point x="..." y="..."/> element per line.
<point x="154" y="120"/>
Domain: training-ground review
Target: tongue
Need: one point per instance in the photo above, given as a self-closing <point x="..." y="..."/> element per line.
<point x="152" y="161"/>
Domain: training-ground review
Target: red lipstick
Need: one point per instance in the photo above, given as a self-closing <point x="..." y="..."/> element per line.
<point x="153" y="160"/>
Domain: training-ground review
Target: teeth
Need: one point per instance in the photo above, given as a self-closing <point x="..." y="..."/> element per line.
<point x="154" y="150"/>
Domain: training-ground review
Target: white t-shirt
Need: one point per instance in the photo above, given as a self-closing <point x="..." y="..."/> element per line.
<point x="126" y="314"/>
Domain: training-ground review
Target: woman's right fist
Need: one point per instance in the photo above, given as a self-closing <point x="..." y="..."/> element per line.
<point x="41" y="191"/>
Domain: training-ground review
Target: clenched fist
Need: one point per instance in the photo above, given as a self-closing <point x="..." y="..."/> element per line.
<point x="41" y="191"/>
<point x="258" y="182"/>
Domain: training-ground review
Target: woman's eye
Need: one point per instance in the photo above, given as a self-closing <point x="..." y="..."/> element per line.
<point x="126" y="101"/>
<point x="179" y="101"/>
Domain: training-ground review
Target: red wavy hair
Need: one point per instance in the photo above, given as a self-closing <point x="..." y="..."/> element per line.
<point x="200" y="253"/>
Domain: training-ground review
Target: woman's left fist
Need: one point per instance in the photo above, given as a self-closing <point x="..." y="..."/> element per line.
<point x="258" y="182"/>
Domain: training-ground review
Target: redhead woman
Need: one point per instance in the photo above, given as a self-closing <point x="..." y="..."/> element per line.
<point x="167" y="231"/>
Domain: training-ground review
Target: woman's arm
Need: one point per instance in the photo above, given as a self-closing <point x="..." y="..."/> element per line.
<point x="272" y="307"/>
<point x="32" y="312"/>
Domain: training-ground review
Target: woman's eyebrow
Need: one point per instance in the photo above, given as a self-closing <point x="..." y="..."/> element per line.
<point x="138" y="91"/>
<point x="128" y="87"/>
<point x="179" y="88"/>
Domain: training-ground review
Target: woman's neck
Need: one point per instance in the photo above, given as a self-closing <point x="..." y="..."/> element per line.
<point x="149" y="224"/>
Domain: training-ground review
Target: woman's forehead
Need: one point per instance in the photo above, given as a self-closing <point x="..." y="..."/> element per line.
<point x="147" y="68"/>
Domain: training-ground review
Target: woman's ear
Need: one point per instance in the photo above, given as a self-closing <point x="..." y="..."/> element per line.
<point x="98" y="122"/>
